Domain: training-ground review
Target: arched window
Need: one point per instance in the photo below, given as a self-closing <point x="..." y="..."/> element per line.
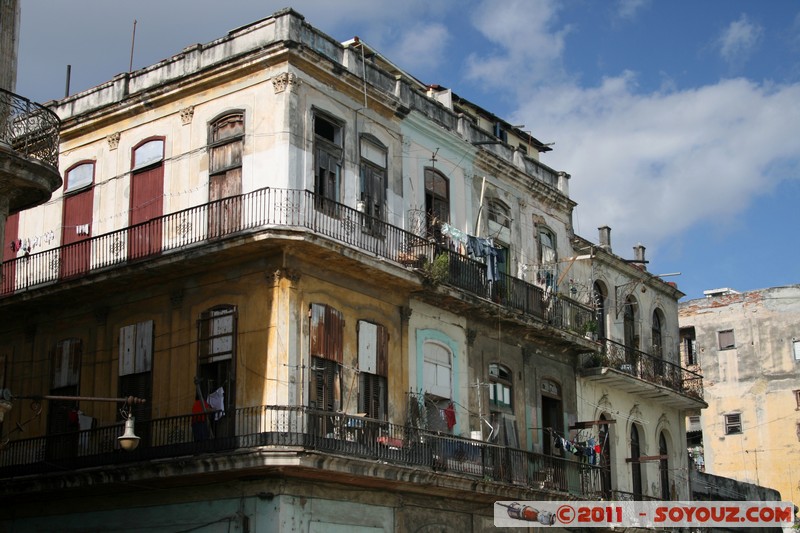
<point x="548" y="258"/>
<point x="147" y="198"/>
<point x="656" y="333"/>
<point x="663" y="466"/>
<point x="77" y="218"/>
<point x="604" y="438"/>
<point x="225" y="150"/>
<point x="599" y="296"/>
<point x="636" y="466"/>
<point x="552" y="415"/>
<point x="631" y="336"/>
<point x="498" y="212"/>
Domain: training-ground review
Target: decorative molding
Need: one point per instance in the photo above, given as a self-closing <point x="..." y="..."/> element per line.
<point x="283" y="81"/>
<point x="187" y="113"/>
<point x="293" y="276"/>
<point x="113" y="141"/>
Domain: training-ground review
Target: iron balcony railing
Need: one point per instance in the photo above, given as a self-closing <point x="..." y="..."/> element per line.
<point x="267" y="209"/>
<point x="650" y="368"/>
<point x="300" y="428"/>
<point x="28" y="128"/>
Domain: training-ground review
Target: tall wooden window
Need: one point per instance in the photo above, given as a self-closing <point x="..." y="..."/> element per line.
<point x="326" y="348"/>
<point x="226" y="146"/>
<point x="216" y="343"/>
<point x="373" y="347"/>
<point x="76" y="227"/>
<point x="328" y="156"/>
<point x="136" y="365"/>
<point x="62" y="416"/>
<point x="437" y="202"/>
<point x="663" y="466"/>
<point x="636" y="466"/>
<point x="372" y="199"/>
<point x="147" y="198"/>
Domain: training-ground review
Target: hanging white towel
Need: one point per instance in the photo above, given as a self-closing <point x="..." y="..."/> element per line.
<point x="217" y="402"/>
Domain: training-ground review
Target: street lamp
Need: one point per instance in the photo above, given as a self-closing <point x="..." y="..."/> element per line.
<point x="128" y="441"/>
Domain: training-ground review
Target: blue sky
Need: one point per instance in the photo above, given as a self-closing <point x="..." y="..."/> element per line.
<point x="678" y="120"/>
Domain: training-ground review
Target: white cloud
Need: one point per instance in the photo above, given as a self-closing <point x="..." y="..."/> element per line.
<point x="651" y="166"/>
<point x="420" y="47"/>
<point x="739" y="40"/>
<point x="628" y="9"/>
<point x="527" y="49"/>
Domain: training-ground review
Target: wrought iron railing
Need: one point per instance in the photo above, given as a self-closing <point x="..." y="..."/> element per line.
<point x="29" y="128"/>
<point x="650" y="368"/>
<point x="300" y="428"/>
<point x="278" y="209"/>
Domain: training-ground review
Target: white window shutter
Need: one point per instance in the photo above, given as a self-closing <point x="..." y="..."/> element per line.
<point x="367" y="347"/>
<point x="127" y="350"/>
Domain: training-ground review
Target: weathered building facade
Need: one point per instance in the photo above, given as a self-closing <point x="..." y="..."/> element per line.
<point x="748" y="348"/>
<point x="367" y="280"/>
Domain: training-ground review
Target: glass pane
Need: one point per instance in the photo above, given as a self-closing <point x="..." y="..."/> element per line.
<point x="79" y="176"/>
<point x="148" y="153"/>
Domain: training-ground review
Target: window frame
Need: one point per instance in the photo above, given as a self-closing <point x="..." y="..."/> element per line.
<point x="370" y="173"/>
<point x="431" y="358"/>
<point x="216" y="142"/>
<point x="728" y="346"/>
<point x="373" y="346"/>
<point x="333" y="149"/>
<point x="732" y="422"/>
<point x="437" y="202"/>
<point x="69" y="189"/>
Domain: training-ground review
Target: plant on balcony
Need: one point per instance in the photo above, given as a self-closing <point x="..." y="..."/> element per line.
<point x="438" y="270"/>
<point x="590" y="329"/>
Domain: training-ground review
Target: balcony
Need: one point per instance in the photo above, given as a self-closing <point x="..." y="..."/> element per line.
<point x="29" y="142"/>
<point x="287" y="209"/>
<point x="276" y="436"/>
<point x="645" y="375"/>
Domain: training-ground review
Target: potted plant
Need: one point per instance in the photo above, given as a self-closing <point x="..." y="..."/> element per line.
<point x="590" y="329"/>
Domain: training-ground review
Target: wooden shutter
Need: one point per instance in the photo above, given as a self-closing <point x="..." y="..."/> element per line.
<point x="327" y="332"/>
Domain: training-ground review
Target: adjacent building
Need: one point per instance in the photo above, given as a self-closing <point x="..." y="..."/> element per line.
<point x="748" y="347"/>
<point x="350" y="300"/>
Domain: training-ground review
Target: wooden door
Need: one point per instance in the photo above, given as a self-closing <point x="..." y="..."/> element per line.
<point x="11" y="245"/>
<point x="147" y="200"/>
<point x="76" y="234"/>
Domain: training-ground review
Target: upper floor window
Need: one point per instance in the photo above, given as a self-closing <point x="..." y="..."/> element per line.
<point x="656" y="333"/>
<point x="136" y="348"/>
<point x="437" y="370"/>
<point x="548" y="259"/>
<point x="373" y="347"/>
<point x="216" y="340"/>
<point x="149" y="153"/>
<point x="79" y="176"/>
<point x="500" y="390"/>
<point x="327" y="332"/>
<point x="726" y="339"/>
<point x="66" y="358"/>
<point x="328" y="155"/>
<point x="797" y="398"/>
<point x="326" y="347"/>
<point x="688" y="346"/>
<point x="372" y="199"/>
<point x="226" y="143"/>
<point x="499" y="212"/>
<point x="733" y="424"/>
<point x="437" y="202"/>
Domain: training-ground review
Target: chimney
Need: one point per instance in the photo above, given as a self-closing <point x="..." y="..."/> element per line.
<point x="605" y="238"/>
<point x="638" y="254"/>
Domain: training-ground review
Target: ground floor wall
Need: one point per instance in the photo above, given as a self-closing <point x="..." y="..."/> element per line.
<point x="248" y="506"/>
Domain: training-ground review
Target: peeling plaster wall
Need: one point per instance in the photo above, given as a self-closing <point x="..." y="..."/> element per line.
<point x="756" y="379"/>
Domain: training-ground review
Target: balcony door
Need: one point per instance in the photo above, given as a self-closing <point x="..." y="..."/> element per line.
<point x="11" y="245"/>
<point x="76" y="229"/>
<point x="147" y="199"/>
<point x="226" y="146"/>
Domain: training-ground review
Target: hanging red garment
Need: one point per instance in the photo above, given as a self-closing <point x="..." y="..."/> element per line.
<point x="450" y="416"/>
